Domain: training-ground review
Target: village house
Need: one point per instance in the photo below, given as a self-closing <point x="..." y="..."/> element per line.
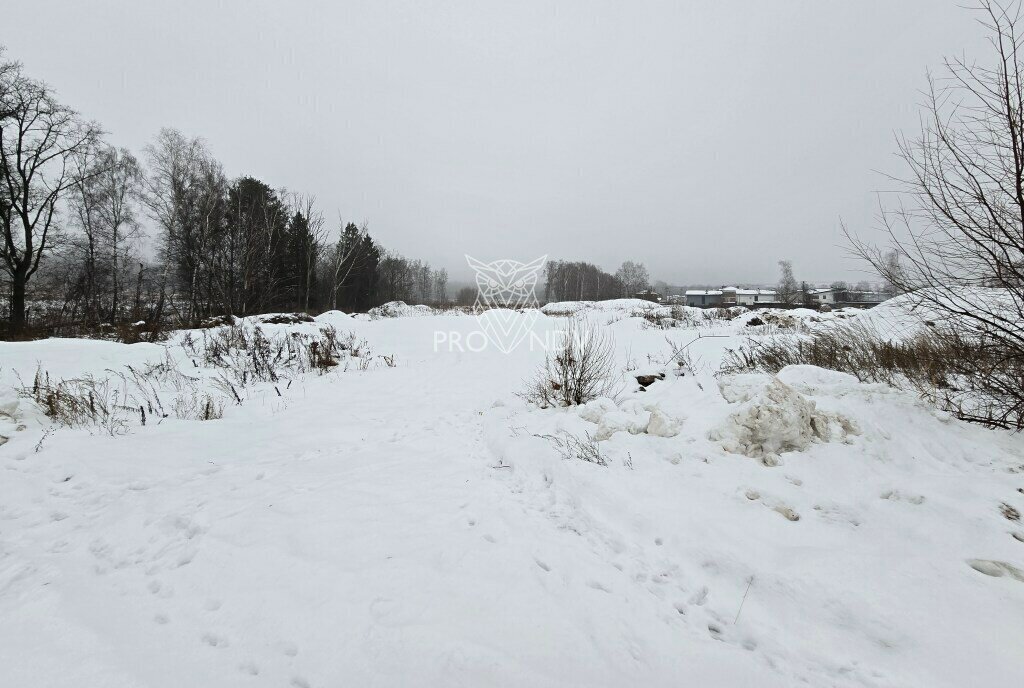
<point x="749" y="297"/>
<point x="729" y="296"/>
<point x="704" y="298"/>
<point x="820" y="296"/>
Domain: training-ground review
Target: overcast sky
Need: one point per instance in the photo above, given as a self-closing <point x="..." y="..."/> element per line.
<point x="705" y="139"/>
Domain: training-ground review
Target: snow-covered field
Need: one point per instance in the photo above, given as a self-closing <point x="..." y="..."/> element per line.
<point x="409" y="521"/>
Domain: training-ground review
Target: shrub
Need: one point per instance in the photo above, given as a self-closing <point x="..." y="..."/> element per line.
<point x="582" y="370"/>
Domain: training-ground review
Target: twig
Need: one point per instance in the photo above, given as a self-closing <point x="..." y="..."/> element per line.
<point x="738" y="611"/>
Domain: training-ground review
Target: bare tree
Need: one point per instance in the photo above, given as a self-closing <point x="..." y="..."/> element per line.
<point x="344" y="257"/>
<point x="39" y="140"/>
<point x="119" y="184"/>
<point x="441" y="287"/>
<point x="956" y="235"/>
<point x="312" y="245"/>
<point x="788" y="290"/>
<point x="184" y="190"/>
<point x="103" y="203"/>
<point x="634" y="277"/>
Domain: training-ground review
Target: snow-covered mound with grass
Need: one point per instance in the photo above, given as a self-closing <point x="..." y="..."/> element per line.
<point x="400" y="309"/>
<point x="368" y="507"/>
<point x="620" y="306"/>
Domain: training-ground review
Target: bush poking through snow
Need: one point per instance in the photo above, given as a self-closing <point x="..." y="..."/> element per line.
<point x="583" y="370"/>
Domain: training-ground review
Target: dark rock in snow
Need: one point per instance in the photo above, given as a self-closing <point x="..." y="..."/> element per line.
<point x="648" y="380"/>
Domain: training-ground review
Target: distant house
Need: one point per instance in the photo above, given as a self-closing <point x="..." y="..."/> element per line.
<point x="820" y="296"/>
<point x="869" y="297"/>
<point x="729" y="296"/>
<point x="754" y="297"/>
<point x="704" y="298"/>
<point x="863" y="299"/>
<point x="648" y="295"/>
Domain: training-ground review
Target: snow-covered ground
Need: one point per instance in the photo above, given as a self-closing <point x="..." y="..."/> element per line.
<point x="409" y="521"/>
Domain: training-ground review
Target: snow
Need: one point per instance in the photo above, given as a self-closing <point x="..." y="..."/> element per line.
<point x="619" y="306"/>
<point x="779" y="419"/>
<point x="416" y="525"/>
<point x="399" y="309"/>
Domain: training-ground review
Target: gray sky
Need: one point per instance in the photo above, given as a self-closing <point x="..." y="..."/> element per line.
<point x="706" y="139"/>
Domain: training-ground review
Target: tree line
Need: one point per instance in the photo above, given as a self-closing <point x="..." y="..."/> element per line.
<point x="72" y="208"/>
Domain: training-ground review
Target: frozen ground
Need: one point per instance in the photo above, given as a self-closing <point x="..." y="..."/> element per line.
<point x="415" y="526"/>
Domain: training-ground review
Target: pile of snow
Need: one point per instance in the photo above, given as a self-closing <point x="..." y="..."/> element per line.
<point x="9" y="403"/>
<point x="400" y="309"/>
<point x="907" y="315"/>
<point x="625" y="307"/>
<point x="632" y="417"/>
<point x="774" y="420"/>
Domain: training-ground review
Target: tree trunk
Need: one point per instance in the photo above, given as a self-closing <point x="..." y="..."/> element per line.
<point x="18" y="319"/>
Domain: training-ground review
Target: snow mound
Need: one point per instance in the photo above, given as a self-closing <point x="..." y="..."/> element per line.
<point x="662" y="425"/>
<point x="399" y="309"/>
<point x="777" y="420"/>
<point x="8" y="414"/>
<point x="621" y="421"/>
<point x="593" y="411"/>
<point x="284" y="318"/>
<point x="623" y="306"/>
<point x="809" y="379"/>
<point x="333" y="316"/>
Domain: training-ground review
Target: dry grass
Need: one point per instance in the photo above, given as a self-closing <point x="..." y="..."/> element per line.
<point x="578" y="448"/>
<point x="974" y="379"/>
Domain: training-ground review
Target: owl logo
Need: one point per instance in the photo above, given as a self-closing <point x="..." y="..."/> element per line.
<point x="504" y="287"/>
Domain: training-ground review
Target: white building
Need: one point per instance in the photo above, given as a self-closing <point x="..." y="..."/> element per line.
<point x="820" y="296"/>
<point x="753" y="297"/>
<point x="729" y="296"/>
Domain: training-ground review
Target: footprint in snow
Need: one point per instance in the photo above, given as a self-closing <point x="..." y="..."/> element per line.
<point x="542" y="565"/>
<point x="897" y="496"/>
<point x="598" y="586"/>
<point x="788" y="513"/>
<point x="996" y="569"/>
<point x="249" y="668"/>
<point x="214" y="640"/>
<point x="212" y="605"/>
<point x="700" y="597"/>
<point x="288" y="649"/>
